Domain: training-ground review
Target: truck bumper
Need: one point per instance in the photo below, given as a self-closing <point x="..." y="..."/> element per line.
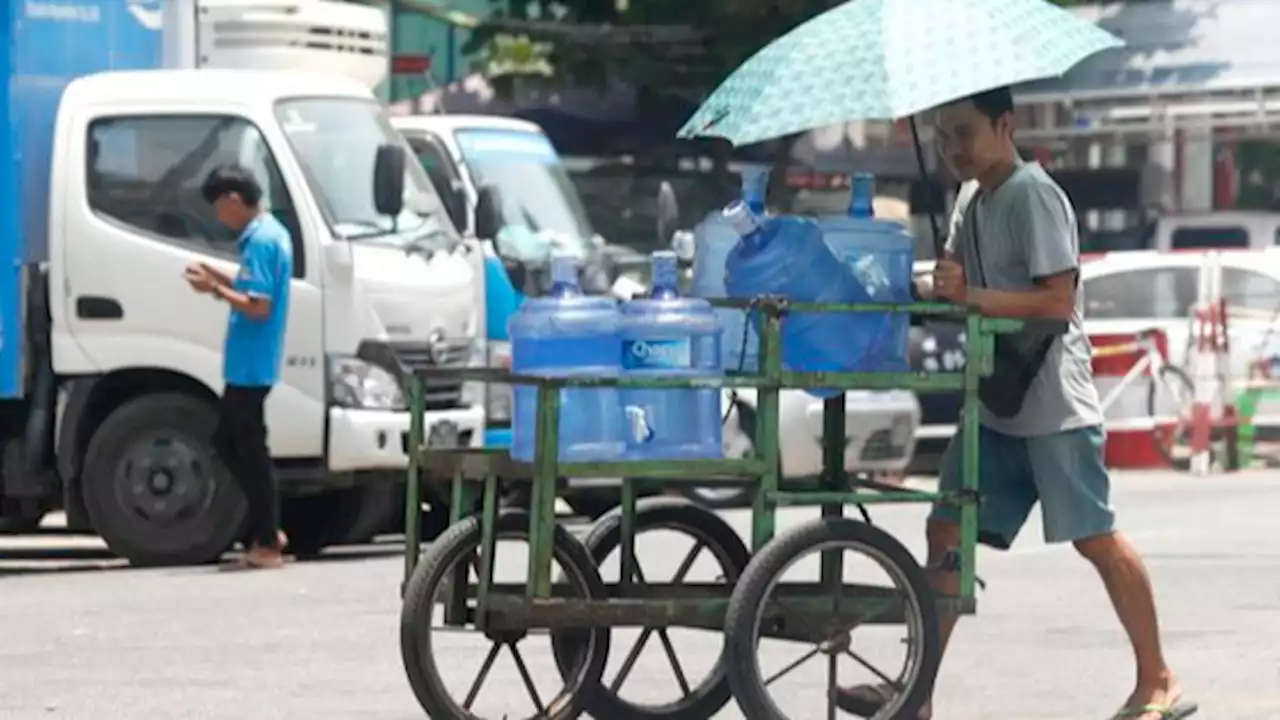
<point x="379" y="440"/>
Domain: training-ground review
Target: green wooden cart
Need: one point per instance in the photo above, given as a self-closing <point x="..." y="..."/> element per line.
<point x="450" y="583"/>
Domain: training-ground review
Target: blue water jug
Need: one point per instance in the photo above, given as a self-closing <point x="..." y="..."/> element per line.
<point x="665" y="335"/>
<point x="562" y="334"/>
<point x="786" y="256"/>
<point x="713" y="239"/>
<point x="879" y="253"/>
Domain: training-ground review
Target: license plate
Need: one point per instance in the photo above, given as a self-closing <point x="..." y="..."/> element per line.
<point x="443" y="435"/>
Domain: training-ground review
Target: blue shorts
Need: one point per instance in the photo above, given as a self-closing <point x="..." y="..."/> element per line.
<point x="1064" y="471"/>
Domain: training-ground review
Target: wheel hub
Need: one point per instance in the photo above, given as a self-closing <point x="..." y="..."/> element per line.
<point x="163" y="478"/>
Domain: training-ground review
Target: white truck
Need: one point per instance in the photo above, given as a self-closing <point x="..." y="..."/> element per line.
<point x="110" y="365"/>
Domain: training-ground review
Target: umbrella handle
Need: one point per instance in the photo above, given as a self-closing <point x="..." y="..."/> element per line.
<point x="938" y="246"/>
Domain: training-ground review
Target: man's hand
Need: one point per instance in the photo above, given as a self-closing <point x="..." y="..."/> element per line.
<point x="200" y="280"/>
<point x="949" y="282"/>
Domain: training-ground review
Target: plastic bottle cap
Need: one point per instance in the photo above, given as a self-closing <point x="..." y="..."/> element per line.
<point x="755" y="183"/>
<point x="665" y="271"/>
<point x="741" y="219"/>
<point x="564" y="268"/>
<point x="863" y="196"/>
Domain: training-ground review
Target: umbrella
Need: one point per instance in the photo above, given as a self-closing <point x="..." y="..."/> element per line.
<point x="887" y="59"/>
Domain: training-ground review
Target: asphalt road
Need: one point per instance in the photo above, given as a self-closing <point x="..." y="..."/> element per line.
<point x="84" y="639"/>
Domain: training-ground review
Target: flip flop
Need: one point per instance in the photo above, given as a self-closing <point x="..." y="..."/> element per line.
<point x="1177" y="711"/>
<point x="863" y="700"/>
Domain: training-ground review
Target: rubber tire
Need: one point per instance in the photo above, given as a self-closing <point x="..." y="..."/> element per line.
<point x="593" y="503"/>
<point x="604" y="537"/>
<point x="749" y="597"/>
<point x="1169" y="375"/>
<point x="204" y="538"/>
<point x="347" y="516"/>
<point x="437" y="561"/>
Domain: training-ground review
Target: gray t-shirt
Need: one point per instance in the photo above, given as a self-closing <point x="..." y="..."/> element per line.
<point x="1027" y="229"/>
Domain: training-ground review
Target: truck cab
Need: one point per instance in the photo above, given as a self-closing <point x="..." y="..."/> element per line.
<point x="111" y="401"/>
<point x="504" y="183"/>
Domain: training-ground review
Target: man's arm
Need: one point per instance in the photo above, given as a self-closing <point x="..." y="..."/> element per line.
<point x="1043" y="224"/>
<point x="218" y="276"/>
<point x="257" y="269"/>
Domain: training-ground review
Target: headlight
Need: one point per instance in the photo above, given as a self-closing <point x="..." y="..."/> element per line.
<point x="354" y="383"/>
<point x="497" y="406"/>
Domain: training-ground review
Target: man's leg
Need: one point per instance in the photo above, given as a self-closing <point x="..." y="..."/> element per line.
<point x="260" y="481"/>
<point x="1075" y="492"/>
<point x="226" y="446"/>
<point x="1008" y="495"/>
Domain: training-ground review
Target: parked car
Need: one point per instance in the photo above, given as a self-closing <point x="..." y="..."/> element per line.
<point x="1124" y="293"/>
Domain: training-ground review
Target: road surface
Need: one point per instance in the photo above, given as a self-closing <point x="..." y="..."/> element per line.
<point x="84" y="639"/>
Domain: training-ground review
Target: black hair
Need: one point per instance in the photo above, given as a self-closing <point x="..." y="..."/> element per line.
<point x="994" y="103"/>
<point x="227" y="179"/>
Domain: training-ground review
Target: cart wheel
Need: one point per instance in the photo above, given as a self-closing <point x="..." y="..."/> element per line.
<point x="693" y="700"/>
<point x="758" y="611"/>
<point x="420" y="644"/>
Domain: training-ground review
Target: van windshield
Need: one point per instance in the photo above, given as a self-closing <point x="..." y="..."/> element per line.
<point x="537" y="193"/>
<point x="336" y="141"/>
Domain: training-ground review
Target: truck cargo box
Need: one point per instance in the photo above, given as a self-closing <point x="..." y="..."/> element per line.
<point x="46" y="44"/>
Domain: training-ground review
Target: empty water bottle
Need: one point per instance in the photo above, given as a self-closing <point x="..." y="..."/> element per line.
<point x="879" y="253"/>
<point x="562" y="334"/>
<point x="665" y="335"/>
<point x="786" y="256"/>
<point x="714" y="238"/>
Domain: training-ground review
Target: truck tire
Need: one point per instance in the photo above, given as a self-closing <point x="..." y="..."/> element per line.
<point x="337" y="517"/>
<point x="153" y="486"/>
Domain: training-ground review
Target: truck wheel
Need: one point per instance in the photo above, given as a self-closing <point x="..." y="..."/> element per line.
<point x="153" y="487"/>
<point x="337" y="517"/>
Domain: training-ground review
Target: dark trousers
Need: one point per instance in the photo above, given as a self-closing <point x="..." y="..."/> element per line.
<point x="241" y="443"/>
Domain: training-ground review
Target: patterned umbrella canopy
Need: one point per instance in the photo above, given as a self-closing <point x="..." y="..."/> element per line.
<point x="885" y="59"/>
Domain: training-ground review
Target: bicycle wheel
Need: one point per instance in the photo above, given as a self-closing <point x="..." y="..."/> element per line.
<point x="1171" y="391"/>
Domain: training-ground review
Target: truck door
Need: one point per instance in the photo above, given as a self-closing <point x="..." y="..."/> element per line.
<point x="142" y="221"/>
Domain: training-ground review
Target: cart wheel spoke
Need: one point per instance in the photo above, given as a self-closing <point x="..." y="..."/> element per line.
<point x="686" y="564"/>
<point x="895" y="684"/>
<point x="832" y="686"/>
<point x="790" y="668"/>
<point x="629" y="663"/>
<point x="527" y="678"/>
<point x="675" y="662"/>
<point x="485" y="667"/>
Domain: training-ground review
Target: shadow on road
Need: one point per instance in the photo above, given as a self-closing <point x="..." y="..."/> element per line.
<point x="55" y="553"/>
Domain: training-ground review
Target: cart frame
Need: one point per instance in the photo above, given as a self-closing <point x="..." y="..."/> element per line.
<point x="475" y="476"/>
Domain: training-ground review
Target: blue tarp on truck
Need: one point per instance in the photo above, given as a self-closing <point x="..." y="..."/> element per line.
<point x="48" y="43"/>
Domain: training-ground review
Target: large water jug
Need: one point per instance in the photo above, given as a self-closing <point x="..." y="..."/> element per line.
<point x="714" y="238"/>
<point x="562" y="334"/>
<point x="786" y="256"/>
<point x="665" y="335"/>
<point x="879" y="253"/>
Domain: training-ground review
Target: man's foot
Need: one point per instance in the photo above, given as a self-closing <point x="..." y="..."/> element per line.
<point x="264" y="557"/>
<point x="867" y="700"/>
<point x="1158" y="701"/>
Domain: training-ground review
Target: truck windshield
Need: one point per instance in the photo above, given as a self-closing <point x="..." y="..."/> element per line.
<point x="537" y="192"/>
<point x="336" y="141"/>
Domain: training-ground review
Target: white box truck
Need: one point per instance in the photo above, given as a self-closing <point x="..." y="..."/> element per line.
<point x="110" y="364"/>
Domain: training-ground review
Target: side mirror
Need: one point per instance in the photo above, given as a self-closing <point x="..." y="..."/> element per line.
<point x="488" y="213"/>
<point x="668" y="214"/>
<point x="388" y="180"/>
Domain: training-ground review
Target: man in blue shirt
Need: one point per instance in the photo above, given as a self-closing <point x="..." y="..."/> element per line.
<point x="253" y="351"/>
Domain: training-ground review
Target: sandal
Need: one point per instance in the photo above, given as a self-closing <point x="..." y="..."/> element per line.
<point x="1176" y="711"/>
<point x="864" y="700"/>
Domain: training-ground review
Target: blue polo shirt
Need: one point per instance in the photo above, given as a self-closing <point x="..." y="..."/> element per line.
<point x="254" y="348"/>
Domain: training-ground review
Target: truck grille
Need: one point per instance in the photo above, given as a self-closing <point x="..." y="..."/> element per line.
<point x="439" y="394"/>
